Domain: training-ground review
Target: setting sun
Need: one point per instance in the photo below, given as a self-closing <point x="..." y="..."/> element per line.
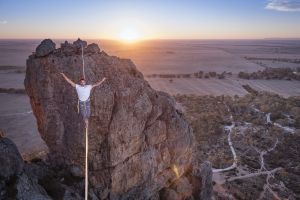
<point x="129" y="35"/>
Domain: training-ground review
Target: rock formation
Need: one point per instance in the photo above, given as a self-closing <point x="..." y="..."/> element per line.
<point x="139" y="144"/>
<point x="14" y="182"/>
<point x="9" y="155"/>
<point x="46" y="47"/>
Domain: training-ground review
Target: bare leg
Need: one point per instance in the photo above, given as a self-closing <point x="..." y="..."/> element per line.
<point x="86" y="121"/>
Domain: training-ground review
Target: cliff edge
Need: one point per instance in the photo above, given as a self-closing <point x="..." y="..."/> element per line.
<point x="139" y="144"/>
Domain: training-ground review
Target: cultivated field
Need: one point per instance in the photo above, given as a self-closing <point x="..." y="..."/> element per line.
<point x="216" y="87"/>
<point x="152" y="57"/>
<point x="178" y="57"/>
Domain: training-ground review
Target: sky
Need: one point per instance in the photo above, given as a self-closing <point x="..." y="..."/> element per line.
<point x="150" y="19"/>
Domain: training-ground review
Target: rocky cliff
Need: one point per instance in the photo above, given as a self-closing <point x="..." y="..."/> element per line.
<point x="15" y="182"/>
<point x="140" y="146"/>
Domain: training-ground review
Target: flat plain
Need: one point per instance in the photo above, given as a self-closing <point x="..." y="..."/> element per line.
<point x="161" y="57"/>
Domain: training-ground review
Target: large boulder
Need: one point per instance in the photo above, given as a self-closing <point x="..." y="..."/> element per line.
<point x="46" y="47"/>
<point x="15" y="183"/>
<point x="27" y="188"/>
<point x="80" y="43"/>
<point x="136" y="136"/>
<point x="92" y="48"/>
<point x="205" y="173"/>
<point x="11" y="162"/>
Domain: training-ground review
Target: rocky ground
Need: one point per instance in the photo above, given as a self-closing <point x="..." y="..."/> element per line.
<point x="253" y="143"/>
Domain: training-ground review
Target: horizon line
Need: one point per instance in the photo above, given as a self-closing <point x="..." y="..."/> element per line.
<point x="152" y="39"/>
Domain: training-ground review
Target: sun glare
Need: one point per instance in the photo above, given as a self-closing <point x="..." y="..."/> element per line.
<point x="129" y="35"/>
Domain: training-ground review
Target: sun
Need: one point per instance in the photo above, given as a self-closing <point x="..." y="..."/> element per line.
<point x="129" y="35"/>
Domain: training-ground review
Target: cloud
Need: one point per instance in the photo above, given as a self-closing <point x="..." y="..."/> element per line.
<point x="3" y="22"/>
<point x="284" y="5"/>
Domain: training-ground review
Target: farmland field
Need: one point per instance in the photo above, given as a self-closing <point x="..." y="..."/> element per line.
<point x="154" y="57"/>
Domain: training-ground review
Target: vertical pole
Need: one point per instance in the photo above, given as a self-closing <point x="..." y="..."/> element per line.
<point x="86" y="163"/>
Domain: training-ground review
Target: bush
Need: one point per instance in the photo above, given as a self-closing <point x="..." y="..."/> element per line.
<point x="221" y="76"/>
<point x="212" y="74"/>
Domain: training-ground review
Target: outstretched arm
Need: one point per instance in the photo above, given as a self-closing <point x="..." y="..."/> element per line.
<point x="99" y="83"/>
<point x="68" y="80"/>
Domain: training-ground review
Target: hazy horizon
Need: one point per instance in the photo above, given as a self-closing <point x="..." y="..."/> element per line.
<point x="154" y="39"/>
<point x="144" y="20"/>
